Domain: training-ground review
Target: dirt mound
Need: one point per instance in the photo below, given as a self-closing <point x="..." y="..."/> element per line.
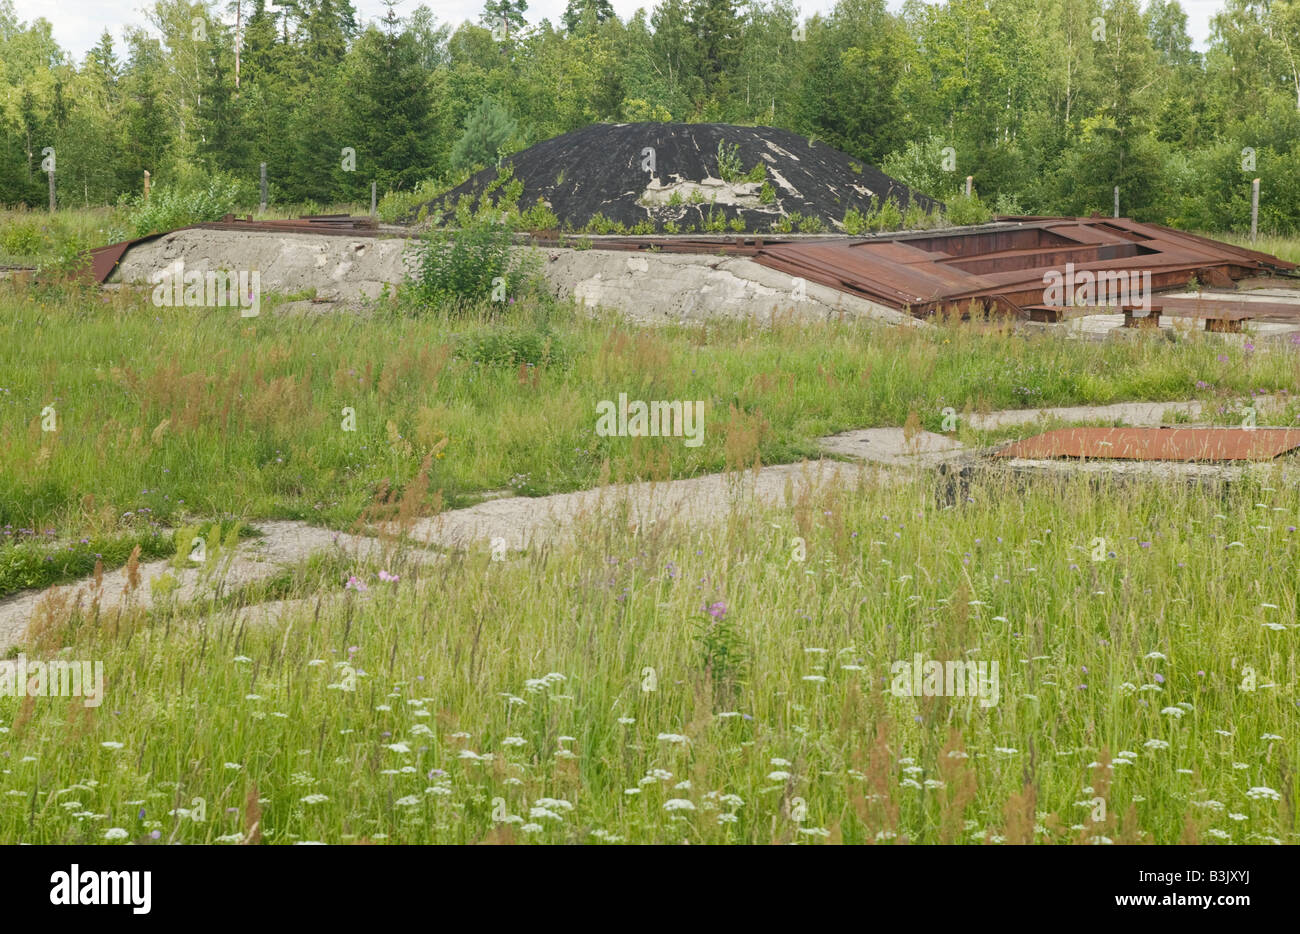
<point x="670" y="177"/>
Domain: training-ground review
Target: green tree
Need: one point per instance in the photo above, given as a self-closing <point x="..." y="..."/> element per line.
<point x="488" y="130"/>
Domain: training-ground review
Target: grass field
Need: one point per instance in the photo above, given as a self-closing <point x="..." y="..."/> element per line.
<point x="701" y="684"/>
<point x="707" y="686"/>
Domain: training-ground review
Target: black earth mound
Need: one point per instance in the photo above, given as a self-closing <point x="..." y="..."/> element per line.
<point x="667" y="177"/>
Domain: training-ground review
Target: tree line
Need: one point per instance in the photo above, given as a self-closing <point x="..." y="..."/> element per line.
<point x="1049" y="104"/>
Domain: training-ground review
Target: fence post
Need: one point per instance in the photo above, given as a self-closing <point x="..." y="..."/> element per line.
<point x="1255" y="208"/>
<point x="52" y="200"/>
<point x="970" y="180"/>
<point x="263" y="187"/>
<point x="146" y="186"/>
<point x="374" y="204"/>
<point x="1117" y="201"/>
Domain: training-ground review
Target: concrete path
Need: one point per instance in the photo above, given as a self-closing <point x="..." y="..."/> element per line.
<point x="518" y="522"/>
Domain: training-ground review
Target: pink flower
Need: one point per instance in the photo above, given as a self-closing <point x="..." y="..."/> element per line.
<point x="388" y="578"/>
<point x="355" y="583"/>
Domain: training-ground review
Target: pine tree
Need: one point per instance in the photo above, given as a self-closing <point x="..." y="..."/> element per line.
<point x="600" y="10"/>
<point x="488" y="129"/>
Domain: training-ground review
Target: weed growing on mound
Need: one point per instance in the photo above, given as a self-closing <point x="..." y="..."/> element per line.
<point x="181" y="205"/>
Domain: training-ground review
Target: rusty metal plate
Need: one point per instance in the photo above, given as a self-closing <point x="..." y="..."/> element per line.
<point x="1158" y="444"/>
<point x="1005" y="263"/>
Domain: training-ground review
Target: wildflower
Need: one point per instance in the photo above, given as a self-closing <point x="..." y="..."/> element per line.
<point x="1263" y="793"/>
<point x="678" y="804"/>
<point x="1174" y="712"/>
<point x="388" y="578"/>
<point x="355" y="583"/>
<point x="314" y="799"/>
<point x="115" y="833"/>
<point x="777" y="776"/>
<point x="109" y="744"/>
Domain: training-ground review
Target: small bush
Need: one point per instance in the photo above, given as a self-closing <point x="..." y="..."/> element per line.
<point x="855" y="223"/>
<point x="23" y="238"/>
<point x="175" y="206"/>
<point x="729" y="168"/>
<point x="466" y="265"/>
<point x="512" y="347"/>
<point x="887" y="216"/>
<point x="767" y="194"/>
<point x="396" y="206"/>
<point x="539" y="217"/>
<point x="963" y="210"/>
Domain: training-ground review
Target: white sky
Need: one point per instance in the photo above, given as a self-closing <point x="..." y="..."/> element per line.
<point x="78" y="23"/>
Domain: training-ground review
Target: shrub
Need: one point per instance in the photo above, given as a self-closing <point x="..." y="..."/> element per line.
<point x="23" y="238"/>
<point x="767" y="194"/>
<point x="396" y="206"/>
<point x="729" y="168"/>
<point x="537" y="346"/>
<point x="887" y="216"/>
<point x="963" y="210"/>
<point x="539" y="217"/>
<point x="173" y="206"/>
<point x="466" y="265"/>
<point x="854" y="222"/>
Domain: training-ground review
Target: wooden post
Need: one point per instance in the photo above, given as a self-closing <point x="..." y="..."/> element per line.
<point x="146" y="186"/>
<point x="52" y="200"/>
<point x="1255" y="207"/>
<point x="374" y="203"/>
<point x="1117" y="201"/>
<point x="970" y="181"/>
<point x="263" y="187"/>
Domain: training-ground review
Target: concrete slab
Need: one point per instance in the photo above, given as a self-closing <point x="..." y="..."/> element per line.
<point x="892" y="447"/>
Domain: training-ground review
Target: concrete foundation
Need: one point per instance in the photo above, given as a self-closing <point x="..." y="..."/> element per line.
<point x="649" y="288"/>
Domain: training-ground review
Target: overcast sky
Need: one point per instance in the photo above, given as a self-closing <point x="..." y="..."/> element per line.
<point x="78" y="23"/>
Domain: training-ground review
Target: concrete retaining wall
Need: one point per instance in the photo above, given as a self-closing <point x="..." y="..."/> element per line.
<point x="651" y="288"/>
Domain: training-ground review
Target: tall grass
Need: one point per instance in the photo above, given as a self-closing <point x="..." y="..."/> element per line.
<point x="197" y="412"/>
<point x="566" y="696"/>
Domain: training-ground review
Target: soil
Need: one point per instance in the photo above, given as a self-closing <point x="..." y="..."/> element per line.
<point x="604" y="170"/>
